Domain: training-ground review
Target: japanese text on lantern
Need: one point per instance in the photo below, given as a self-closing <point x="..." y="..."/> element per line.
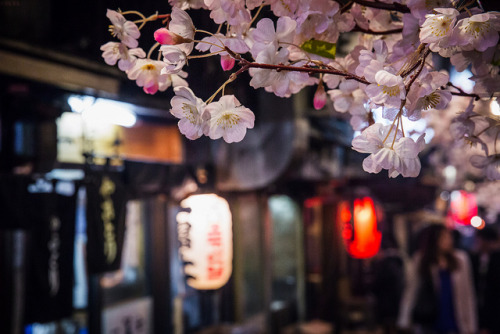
<point x="215" y="259"/>
<point x="205" y="235"/>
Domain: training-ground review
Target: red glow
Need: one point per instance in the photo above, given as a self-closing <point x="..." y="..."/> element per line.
<point x="367" y="238"/>
<point x="345" y="212"/>
<point x="313" y="202"/>
<point x="463" y="207"/>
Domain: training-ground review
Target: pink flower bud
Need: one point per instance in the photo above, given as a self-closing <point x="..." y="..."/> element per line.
<point x="319" y="100"/>
<point x="227" y="62"/>
<point x="166" y="37"/>
<point x="150" y="89"/>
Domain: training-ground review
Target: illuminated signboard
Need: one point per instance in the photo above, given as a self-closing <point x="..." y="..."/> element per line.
<point x="206" y="244"/>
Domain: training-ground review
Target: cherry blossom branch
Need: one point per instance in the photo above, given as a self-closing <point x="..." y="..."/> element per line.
<point x="152" y="49"/>
<point x="417" y="63"/>
<point x="346" y="7"/>
<point x="280" y="67"/>
<point x="415" y="76"/>
<point x="397" y="7"/>
<point x="245" y="65"/>
<point x="475" y="96"/>
<point x="371" y="32"/>
<point x="461" y="92"/>
<point x="256" y="15"/>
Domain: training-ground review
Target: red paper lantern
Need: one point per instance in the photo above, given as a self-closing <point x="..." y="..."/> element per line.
<point x="359" y="228"/>
<point x="463" y="207"/>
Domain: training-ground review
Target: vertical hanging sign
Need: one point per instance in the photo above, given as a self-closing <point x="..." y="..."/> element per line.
<point x="206" y="244"/>
<point x="106" y="200"/>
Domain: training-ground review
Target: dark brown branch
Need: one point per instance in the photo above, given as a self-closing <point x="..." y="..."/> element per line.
<point x="461" y="92"/>
<point x="475" y="96"/>
<point x="371" y="32"/>
<point x="346" y="7"/>
<point x="417" y="63"/>
<point x="415" y="76"/>
<point x="246" y="65"/>
<point x="397" y="7"/>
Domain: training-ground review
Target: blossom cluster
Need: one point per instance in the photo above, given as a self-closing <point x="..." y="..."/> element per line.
<point x="390" y="69"/>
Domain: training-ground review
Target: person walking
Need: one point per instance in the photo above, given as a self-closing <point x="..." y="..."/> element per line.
<point x="486" y="269"/>
<point x="439" y="295"/>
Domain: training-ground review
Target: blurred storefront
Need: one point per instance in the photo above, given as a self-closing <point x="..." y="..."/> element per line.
<point x="93" y="181"/>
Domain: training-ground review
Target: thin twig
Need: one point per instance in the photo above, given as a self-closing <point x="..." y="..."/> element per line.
<point x="397" y="7"/>
<point x="371" y="32"/>
<point x="307" y="69"/>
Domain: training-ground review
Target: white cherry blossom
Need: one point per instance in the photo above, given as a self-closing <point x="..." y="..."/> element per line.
<point x="265" y="34"/>
<point x="228" y="119"/>
<point x="398" y="155"/>
<point x="147" y="74"/>
<point x="182" y="25"/>
<point x="174" y="59"/>
<point x="489" y="164"/>
<point x="125" y="31"/>
<point x="388" y="89"/>
<point x="190" y="110"/>
<point x="282" y="83"/>
<point x="478" y="32"/>
<point x="438" y="26"/>
<point x="118" y="52"/>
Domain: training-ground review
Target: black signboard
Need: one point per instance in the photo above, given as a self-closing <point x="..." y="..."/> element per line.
<point x="50" y="248"/>
<point x="15" y="205"/>
<point x="106" y="205"/>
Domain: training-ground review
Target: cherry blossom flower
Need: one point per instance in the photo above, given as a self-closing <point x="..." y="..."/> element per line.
<point x="372" y="62"/>
<point x="349" y="97"/>
<point x="232" y="11"/>
<point x="174" y="59"/>
<point x="147" y="74"/>
<point x="420" y="8"/>
<point x="462" y="126"/>
<point x="125" y="31"/>
<point x="229" y="119"/>
<point x="190" y="110"/>
<point x="489" y="164"/>
<point x="182" y="25"/>
<point x="478" y="32"/>
<point x="282" y="83"/>
<point x="398" y="155"/>
<point x="282" y="8"/>
<point x="438" y="28"/>
<point x="388" y="90"/>
<point x="175" y="80"/>
<point x="187" y="4"/>
<point x="408" y="151"/>
<point x="410" y="39"/>
<point x="426" y="94"/>
<point x="216" y="43"/>
<point x="113" y="52"/>
<point x="264" y="34"/>
<point x="488" y="197"/>
<point x="316" y="17"/>
<point x="382" y="156"/>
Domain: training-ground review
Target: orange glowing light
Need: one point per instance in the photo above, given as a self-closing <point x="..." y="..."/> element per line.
<point x="463" y="207"/>
<point x="366" y="241"/>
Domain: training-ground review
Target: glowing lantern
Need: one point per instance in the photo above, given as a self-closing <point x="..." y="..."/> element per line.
<point x="463" y="207"/>
<point x="205" y="234"/>
<point x="359" y="228"/>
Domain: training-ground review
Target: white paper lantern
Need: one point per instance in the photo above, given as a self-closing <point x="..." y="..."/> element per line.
<point x="206" y="237"/>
